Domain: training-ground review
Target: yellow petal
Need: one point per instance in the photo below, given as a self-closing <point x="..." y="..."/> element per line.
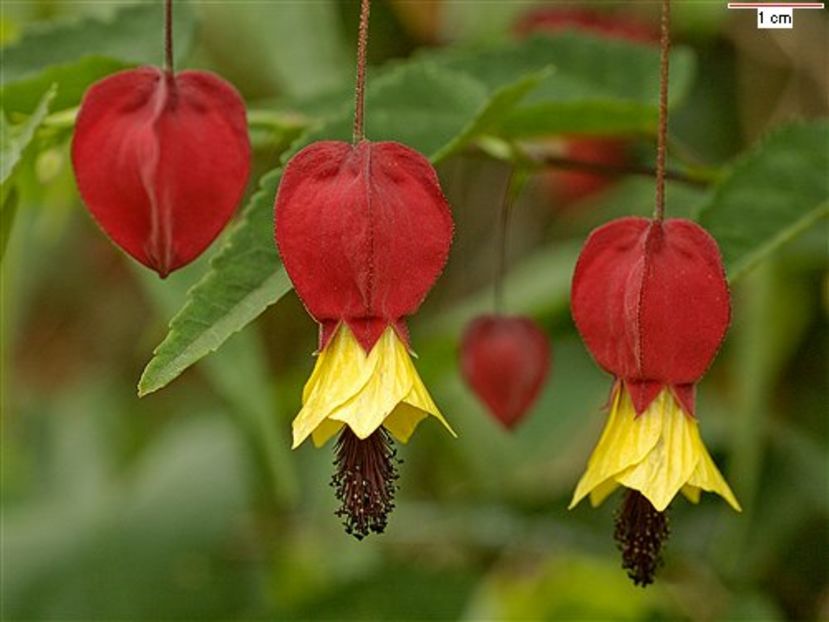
<point x="626" y="440"/>
<point x="602" y="492"/>
<point x="363" y="391"/>
<point x="669" y="464"/>
<point x="691" y="493"/>
<point x="659" y="453"/>
<point x="324" y="431"/>
<point x="708" y="477"/>
<point x="341" y="370"/>
<point x="389" y="382"/>
<point x="403" y="420"/>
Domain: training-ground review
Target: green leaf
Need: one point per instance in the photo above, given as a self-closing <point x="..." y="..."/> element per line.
<point x="7" y="214"/>
<point x="15" y="142"/>
<point x="74" y="54"/>
<point x="597" y="85"/>
<point x="418" y="104"/>
<point x="770" y="195"/>
<point x="245" y="278"/>
<point x="15" y="139"/>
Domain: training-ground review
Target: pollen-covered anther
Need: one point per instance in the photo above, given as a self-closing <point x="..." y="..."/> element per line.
<point x="641" y="532"/>
<point x="365" y="481"/>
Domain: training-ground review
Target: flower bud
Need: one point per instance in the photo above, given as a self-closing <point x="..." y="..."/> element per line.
<point x="505" y="361"/>
<point x="161" y="161"/>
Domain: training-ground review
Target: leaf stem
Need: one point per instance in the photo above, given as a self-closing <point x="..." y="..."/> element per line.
<point x="168" y="36"/>
<point x="662" y="135"/>
<point x="360" y="87"/>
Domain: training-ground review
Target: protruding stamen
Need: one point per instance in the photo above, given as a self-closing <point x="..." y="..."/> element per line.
<point x="640" y="532"/>
<point x="365" y="481"/>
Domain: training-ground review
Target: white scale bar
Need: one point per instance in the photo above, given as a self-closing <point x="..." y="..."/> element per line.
<point x="775" y="14"/>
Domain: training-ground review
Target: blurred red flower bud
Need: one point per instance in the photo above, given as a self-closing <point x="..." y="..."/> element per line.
<point x="651" y="302"/>
<point x="161" y="161"/>
<point x="572" y="186"/>
<point x="614" y="25"/>
<point x="505" y="361"/>
<point x="364" y="231"/>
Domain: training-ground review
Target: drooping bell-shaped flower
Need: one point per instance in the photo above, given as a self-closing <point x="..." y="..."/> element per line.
<point x="651" y="302"/>
<point x="364" y="231"/>
<point x="161" y="161"/>
<point x="505" y="361"/>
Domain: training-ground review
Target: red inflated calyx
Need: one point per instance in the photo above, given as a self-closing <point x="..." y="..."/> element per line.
<point x="505" y="361"/>
<point x="161" y="161"/>
<point x="364" y="231"/>
<point x="651" y="302"/>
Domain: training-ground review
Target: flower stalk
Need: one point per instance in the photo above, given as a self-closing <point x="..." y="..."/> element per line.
<point x="360" y="86"/>
<point x="168" y="36"/>
<point x="662" y="134"/>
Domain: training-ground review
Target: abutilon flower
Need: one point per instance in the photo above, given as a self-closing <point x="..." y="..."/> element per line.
<point x="505" y="360"/>
<point x="364" y="231"/>
<point x="651" y="302"/>
<point x="161" y="161"/>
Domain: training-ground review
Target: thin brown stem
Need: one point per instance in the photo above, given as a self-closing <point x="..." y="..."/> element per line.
<point x="662" y="135"/>
<point x="360" y="87"/>
<point x="168" y="36"/>
<point x="503" y="228"/>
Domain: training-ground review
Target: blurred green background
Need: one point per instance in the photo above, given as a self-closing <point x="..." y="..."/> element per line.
<point x="188" y="504"/>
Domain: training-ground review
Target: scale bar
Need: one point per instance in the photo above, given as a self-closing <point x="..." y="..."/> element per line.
<point x="776" y="5"/>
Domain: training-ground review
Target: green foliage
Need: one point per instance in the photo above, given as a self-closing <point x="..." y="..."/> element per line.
<point x="15" y="139"/>
<point x="161" y="528"/>
<point x="770" y="195"/>
<point x="595" y="85"/>
<point x="15" y="142"/>
<point x="74" y="54"/>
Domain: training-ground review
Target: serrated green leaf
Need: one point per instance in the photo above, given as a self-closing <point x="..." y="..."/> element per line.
<point x="598" y="85"/>
<point x="418" y="104"/>
<point x="15" y="139"/>
<point x="74" y="54"/>
<point x="245" y="278"/>
<point x="771" y="194"/>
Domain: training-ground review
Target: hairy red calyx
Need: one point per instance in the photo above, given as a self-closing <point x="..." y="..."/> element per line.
<point x="161" y="161"/>
<point x="364" y="231"/>
<point x="505" y="360"/>
<point x="651" y="302"/>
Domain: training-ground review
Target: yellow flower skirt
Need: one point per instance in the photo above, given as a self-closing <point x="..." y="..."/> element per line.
<point x="658" y="453"/>
<point x="363" y="391"/>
